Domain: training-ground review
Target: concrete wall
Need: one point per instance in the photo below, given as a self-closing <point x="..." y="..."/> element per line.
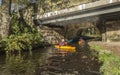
<point x="109" y="31"/>
<point x="75" y="29"/>
<point x="113" y="30"/>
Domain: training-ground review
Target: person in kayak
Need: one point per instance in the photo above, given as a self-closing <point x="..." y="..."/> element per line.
<point x="81" y="42"/>
<point x="62" y="43"/>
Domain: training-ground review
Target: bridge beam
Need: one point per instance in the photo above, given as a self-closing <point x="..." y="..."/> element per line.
<point x="78" y="15"/>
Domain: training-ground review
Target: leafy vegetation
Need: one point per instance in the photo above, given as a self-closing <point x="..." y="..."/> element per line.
<point x="96" y="48"/>
<point x="21" y="37"/>
<point x="25" y="41"/>
<point x="111" y="63"/>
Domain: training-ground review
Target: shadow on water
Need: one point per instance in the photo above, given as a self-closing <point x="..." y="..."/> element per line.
<point x="49" y="61"/>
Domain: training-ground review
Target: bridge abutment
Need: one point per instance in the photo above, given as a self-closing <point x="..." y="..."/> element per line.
<point x="113" y="30"/>
<point x="110" y="30"/>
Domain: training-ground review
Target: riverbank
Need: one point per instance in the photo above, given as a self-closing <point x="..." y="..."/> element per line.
<point x="114" y="47"/>
<point x="107" y="54"/>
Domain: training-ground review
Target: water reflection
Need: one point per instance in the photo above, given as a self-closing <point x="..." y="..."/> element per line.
<point x="24" y="64"/>
<point x="16" y="65"/>
<point x="49" y="61"/>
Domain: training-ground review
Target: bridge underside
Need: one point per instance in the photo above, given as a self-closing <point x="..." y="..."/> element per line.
<point x="94" y="14"/>
<point x="99" y="16"/>
<point x="108" y="17"/>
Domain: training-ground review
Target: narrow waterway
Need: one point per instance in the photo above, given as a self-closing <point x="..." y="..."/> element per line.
<point x="48" y="61"/>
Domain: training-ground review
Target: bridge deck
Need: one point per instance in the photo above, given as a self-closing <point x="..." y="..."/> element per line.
<point x="85" y="10"/>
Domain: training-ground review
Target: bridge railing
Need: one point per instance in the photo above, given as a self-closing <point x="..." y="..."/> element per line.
<point x="77" y="8"/>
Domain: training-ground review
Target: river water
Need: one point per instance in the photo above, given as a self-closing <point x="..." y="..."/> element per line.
<point x="48" y="61"/>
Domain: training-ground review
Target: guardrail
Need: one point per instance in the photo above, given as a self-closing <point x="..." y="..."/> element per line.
<point x="77" y="8"/>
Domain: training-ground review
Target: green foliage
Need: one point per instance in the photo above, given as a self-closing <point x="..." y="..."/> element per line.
<point x="24" y="41"/>
<point x="19" y="26"/>
<point x="14" y="28"/>
<point x="21" y="37"/>
<point x="97" y="48"/>
<point x="111" y="63"/>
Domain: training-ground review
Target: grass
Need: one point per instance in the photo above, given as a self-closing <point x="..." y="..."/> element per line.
<point x="96" y="48"/>
<point x="111" y="63"/>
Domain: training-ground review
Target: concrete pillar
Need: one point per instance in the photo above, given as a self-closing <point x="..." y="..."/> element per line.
<point x="65" y="30"/>
<point x="104" y="35"/>
<point x="102" y="28"/>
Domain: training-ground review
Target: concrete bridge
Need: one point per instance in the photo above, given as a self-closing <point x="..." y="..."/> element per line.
<point x="102" y="14"/>
<point x="78" y="13"/>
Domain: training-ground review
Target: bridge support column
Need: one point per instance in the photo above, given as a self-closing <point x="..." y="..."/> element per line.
<point x="65" y="31"/>
<point x="104" y="35"/>
<point x="102" y="28"/>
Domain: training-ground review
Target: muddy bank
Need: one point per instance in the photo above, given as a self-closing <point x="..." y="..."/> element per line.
<point x="114" y="47"/>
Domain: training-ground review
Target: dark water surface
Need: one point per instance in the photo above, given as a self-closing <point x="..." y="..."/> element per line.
<point x="48" y="61"/>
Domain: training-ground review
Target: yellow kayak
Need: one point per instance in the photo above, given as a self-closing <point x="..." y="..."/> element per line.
<point x="65" y="48"/>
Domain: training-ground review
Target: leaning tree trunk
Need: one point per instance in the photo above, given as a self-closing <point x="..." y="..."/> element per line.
<point x="5" y="18"/>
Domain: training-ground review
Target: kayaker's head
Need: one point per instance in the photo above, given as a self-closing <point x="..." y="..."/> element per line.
<point x="63" y="40"/>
